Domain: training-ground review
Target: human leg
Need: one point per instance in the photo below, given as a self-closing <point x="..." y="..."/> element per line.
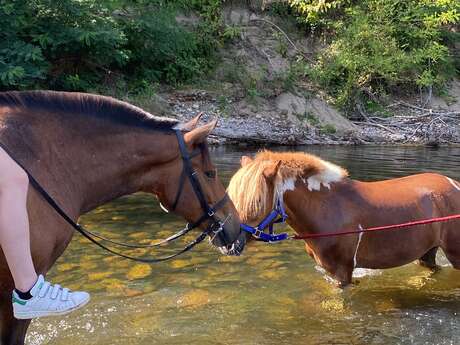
<point x="14" y="223"/>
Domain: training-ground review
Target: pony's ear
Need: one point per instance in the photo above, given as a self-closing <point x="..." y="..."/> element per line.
<point x="190" y="125"/>
<point x="199" y="135"/>
<point x="245" y="160"/>
<point x="271" y="171"/>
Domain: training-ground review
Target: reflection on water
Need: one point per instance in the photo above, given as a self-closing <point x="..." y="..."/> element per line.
<point x="271" y="295"/>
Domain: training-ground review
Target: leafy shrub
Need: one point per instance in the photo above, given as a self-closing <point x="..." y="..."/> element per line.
<point x="319" y="13"/>
<point x="57" y="42"/>
<point x="160" y="50"/>
<point x="382" y="46"/>
<point x="81" y="44"/>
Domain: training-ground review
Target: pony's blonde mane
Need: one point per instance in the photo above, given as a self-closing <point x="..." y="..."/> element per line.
<point x="253" y="197"/>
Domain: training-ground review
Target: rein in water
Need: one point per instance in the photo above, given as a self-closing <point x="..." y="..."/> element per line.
<point x="215" y="228"/>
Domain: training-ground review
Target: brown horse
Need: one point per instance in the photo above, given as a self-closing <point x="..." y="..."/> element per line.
<point x="87" y="150"/>
<point x="319" y="197"/>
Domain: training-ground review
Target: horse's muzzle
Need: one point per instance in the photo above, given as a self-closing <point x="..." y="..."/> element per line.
<point x="236" y="248"/>
<point x="228" y="237"/>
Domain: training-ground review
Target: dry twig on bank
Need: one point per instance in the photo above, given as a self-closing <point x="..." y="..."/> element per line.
<point x="420" y="124"/>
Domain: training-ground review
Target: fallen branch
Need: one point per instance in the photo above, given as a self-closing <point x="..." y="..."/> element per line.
<point x="421" y="124"/>
<point x="372" y="124"/>
<point x="285" y="35"/>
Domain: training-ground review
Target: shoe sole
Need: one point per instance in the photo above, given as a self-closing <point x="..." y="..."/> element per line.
<point x="27" y="316"/>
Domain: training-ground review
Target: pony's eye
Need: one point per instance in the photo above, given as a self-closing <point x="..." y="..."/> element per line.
<point x="210" y="173"/>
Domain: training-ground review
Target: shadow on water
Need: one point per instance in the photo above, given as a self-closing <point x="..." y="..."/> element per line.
<point x="273" y="294"/>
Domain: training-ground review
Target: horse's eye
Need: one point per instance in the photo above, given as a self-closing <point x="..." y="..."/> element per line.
<point x="210" y="173"/>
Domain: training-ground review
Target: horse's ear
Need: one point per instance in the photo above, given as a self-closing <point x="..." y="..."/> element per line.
<point x="199" y="135"/>
<point x="245" y="160"/>
<point x="190" y="125"/>
<point x="271" y="171"/>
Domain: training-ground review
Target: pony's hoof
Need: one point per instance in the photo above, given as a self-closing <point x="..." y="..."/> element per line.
<point x="429" y="265"/>
<point x="343" y="284"/>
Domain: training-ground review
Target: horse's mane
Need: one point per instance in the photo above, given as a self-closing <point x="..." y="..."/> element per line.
<point x="97" y="106"/>
<point x="250" y="191"/>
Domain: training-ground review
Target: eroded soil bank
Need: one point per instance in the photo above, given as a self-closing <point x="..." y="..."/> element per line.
<point x="295" y="120"/>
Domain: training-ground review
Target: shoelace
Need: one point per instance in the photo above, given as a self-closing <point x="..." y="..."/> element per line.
<point x="54" y="290"/>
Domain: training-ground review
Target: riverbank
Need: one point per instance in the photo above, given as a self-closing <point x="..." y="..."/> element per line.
<point x="262" y="95"/>
<point x="277" y="121"/>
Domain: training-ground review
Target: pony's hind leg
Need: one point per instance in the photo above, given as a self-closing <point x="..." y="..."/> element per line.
<point x="451" y="248"/>
<point x="429" y="259"/>
<point x="12" y="331"/>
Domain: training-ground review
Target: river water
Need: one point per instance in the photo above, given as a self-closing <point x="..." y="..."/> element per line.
<point x="273" y="294"/>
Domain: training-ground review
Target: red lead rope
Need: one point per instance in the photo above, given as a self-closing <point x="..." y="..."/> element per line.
<point x="378" y="228"/>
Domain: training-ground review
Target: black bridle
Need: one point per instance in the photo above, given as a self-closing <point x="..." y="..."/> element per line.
<point x="214" y="228"/>
<point x="209" y="212"/>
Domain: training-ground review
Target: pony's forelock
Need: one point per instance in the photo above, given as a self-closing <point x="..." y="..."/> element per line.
<point x="248" y="190"/>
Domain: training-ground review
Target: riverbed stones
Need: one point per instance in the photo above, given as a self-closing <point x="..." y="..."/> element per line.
<point x="139" y="271"/>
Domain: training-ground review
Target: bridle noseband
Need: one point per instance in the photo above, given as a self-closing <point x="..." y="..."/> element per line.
<point x="216" y="226"/>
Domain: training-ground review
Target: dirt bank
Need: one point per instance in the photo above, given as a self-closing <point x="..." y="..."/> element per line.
<point x="277" y="121"/>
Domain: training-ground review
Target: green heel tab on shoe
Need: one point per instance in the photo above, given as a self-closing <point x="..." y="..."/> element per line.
<point x="19" y="301"/>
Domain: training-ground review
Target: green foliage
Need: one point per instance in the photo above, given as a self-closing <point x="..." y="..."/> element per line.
<point x="224" y="104"/>
<point x="382" y="46"/>
<point x="298" y="70"/>
<point x="319" y="13"/>
<point x="281" y="47"/>
<point x="160" y="50"/>
<point x="231" y="32"/>
<point x="327" y="129"/>
<point x="252" y="91"/>
<point x="83" y="44"/>
<point x="311" y="119"/>
<point x="57" y="42"/>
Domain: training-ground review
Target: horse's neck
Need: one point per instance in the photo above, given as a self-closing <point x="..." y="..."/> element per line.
<point x="120" y="165"/>
<point x="83" y="166"/>
<point x="318" y="211"/>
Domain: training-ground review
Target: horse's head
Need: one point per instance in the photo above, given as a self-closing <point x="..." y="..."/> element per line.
<point x="192" y="189"/>
<point x="258" y="183"/>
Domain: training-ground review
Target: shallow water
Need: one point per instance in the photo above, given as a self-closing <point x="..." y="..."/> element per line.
<point x="273" y="294"/>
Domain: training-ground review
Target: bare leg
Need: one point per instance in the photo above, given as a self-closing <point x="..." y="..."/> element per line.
<point x="14" y="223"/>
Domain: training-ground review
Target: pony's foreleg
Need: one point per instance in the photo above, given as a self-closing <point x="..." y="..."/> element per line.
<point x="429" y="259"/>
<point x="12" y="331"/>
<point x="341" y="272"/>
<point x="343" y="275"/>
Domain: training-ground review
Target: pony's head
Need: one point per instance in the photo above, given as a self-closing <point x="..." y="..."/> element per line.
<point x="260" y="181"/>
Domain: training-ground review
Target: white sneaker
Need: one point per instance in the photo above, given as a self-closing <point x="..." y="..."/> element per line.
<point x="48" y="300"/>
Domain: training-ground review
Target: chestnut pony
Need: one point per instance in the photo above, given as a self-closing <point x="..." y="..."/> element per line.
<point x="319" y="198"/>
<point x="86" y="150"/>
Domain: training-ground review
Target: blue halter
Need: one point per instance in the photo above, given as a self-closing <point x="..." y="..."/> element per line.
<point x="278" y="215"/>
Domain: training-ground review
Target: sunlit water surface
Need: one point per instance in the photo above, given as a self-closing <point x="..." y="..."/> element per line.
<point x="273" y="294"/>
